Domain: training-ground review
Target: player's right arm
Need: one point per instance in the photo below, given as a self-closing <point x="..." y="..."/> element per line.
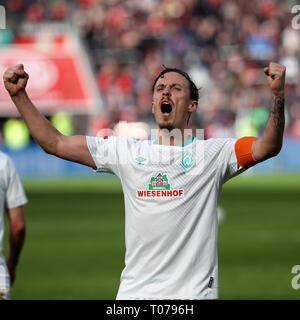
<point x="73" y="148"/>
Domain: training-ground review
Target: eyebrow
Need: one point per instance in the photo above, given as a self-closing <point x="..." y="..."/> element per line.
<point x="172" y="85"/>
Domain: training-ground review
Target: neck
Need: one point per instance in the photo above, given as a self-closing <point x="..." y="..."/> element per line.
<point x="176" y="137"/>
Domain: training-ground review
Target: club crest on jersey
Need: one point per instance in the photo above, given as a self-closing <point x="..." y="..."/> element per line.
<point x="159" y="187"/>
<point x="187" y="160"/>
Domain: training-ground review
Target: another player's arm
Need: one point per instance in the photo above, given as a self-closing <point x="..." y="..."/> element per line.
<point x="269" y="145"/>
<point x="17" y="232"/>
<point x="73" y="148"/>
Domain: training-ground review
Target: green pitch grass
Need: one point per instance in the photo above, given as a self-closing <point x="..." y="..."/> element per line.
<point x="75" y="239"/>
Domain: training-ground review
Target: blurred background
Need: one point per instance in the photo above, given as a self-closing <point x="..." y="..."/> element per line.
<point x="91" y="65"/>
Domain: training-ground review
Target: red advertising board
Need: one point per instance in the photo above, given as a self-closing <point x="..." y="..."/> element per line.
<point x="59" y="77"/>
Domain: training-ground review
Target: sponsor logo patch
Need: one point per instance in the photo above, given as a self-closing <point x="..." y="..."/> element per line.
<point x="159" y="187"/>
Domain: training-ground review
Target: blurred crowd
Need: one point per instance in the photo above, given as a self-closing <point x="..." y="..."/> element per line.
<point x="224" y="45"/>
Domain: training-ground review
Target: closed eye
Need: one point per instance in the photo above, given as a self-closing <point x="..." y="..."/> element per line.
<point x="159" y="87"/>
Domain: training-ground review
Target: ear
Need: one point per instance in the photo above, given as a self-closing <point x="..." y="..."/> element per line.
<point x="152" y="107"/>
<point x="193" y="106"/>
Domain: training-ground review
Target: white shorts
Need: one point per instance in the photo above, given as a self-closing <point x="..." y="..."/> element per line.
<point x="4" y="294"/>
<point x="4" y="281"/>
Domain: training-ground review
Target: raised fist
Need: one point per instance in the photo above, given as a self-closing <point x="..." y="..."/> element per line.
<point x="276" y="78"/>
<point x="15" y="79"/>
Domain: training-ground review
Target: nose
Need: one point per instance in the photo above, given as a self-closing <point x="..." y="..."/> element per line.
<point x="166" y="91"/>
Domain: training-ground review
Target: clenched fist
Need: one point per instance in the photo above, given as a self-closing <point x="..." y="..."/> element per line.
<point x="276" y="78"/>
<point x="15" y="79"/>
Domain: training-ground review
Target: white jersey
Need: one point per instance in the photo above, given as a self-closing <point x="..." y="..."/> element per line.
<point x="11" y="195"/>
<point x="171" y="197"/>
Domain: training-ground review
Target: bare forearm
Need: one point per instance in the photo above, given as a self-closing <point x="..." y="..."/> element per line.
<point x="40" y="128"/>
<point x="271" y="142"/>
<point x="16" y="242"/>
<point x="273" y="133"/>
<point x="73" y="148"/>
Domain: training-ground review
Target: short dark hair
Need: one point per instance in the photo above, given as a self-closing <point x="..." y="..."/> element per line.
<point x="194" y="91"/>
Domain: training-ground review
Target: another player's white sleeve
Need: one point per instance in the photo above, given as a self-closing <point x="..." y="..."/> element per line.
<point x="15" y="195"/>
<point x="106" y="153"/>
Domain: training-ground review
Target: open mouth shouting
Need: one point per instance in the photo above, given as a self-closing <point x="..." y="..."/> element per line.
<point x="166" y="107"/>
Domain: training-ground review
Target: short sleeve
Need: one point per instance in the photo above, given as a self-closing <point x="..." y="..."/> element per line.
<point x="228" y="163"/>
<point x="15" y="195"/>
<point x="106" y="153"/>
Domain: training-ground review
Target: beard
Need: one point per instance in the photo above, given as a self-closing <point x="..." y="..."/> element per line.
<point x="169" y="127"/>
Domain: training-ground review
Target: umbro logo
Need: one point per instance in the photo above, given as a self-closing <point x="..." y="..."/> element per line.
<point x="140" y="161"/>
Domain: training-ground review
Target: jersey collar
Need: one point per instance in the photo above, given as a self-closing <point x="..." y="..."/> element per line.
<point x="189" y="141"/>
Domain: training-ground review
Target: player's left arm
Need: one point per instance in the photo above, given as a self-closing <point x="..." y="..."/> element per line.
<point x="16" y="239"/>
<point x="269" y="145"/>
